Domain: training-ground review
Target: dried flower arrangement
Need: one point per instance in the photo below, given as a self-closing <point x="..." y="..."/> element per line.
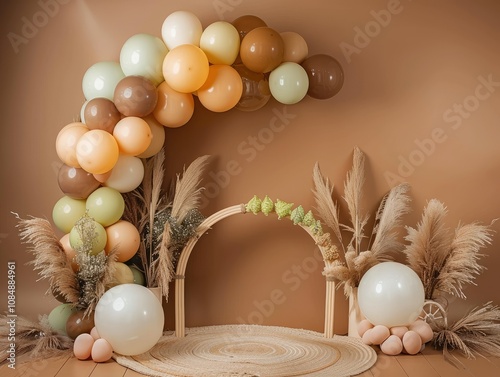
<point x="166" y="223"/>
<point x="356" y="258"/>
<point x="445" y="262"/>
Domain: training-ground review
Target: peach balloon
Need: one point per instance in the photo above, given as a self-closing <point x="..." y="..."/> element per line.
<point x="392" y="346"/>
<point x="66" y="142"/>
<point x="82" y="347"/>
<point x="133" y="135"/>
<point x="173" y="109"/>
<point x="412" y="342"/>
<point x="70" y="252"/>
<point x="124" y="237"/>
<point x="101" y="351"/>
<point x="158" y="133"/>
<point x="103" y="177"/>
<point x="97" y="151"/>
<point x="185" y="68"/>
<point x="222" y="90"/>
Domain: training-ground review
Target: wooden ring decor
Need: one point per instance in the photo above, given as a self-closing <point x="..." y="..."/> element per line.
<point x="266" y="206"/>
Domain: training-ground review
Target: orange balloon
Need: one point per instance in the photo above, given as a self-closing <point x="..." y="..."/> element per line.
<point x="262" y="49"/>
<point x="173" y="109"/>
<point x="66" y="142"/>
<point x="97" y="151"/>
<point x="70" y="252"/>
<point x="222" y="90"/>
<point x="185" y="68"/>
<point x="133" y="135"/>
<point x="125" y="238"/>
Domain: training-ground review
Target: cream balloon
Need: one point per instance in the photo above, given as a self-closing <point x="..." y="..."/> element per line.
<point x="391" y="294"/>
<point x="126" y="175"/>
<point x="130" y="318"/>
<point x="181" y="27"/>
<point x="220" y="41"/>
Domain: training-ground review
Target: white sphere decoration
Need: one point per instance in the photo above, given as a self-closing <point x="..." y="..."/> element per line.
<point x="130" y="317"/>
<point x="391" y="294"/>
<point x="181" y="27"/>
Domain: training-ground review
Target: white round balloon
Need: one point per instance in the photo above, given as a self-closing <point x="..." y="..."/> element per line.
<point x="181" y="27"/>
<point x="130" y="318"/>
<point x="391" y="294"/>
<point x="142" y="55"/>
<point x="100" y="80"/>
<point x="126" y="175"/>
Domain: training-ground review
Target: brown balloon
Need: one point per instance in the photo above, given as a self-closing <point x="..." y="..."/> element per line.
<point x="79" y="323"/>
<point x="101" y="114"/>
<point x="262" y="49"/>
<point x="326" y="76"/>
<point x="135" y="96"/>
<point x="246" y="23"/>
<point x="76" y="182"/>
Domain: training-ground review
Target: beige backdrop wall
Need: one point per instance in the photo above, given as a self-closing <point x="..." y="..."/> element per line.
<point x="421" y="99"/>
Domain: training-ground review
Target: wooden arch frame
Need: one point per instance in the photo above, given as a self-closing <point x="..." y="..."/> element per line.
<point x="180" y="323"/>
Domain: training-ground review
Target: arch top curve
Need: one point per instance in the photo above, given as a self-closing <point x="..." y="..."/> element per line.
<point x="205" y="226"/>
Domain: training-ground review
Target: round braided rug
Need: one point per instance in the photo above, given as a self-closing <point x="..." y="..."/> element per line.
<point x="252" y="350"/>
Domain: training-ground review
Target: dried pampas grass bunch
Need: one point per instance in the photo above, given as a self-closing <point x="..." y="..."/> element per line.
<point x="359" y="254"/>
<point x="166" y="221"/>
<point x="476" y="334"/>
<point x="37" y="338"/>
<point x="50" y="259"/>
<point x="444" y="260"/>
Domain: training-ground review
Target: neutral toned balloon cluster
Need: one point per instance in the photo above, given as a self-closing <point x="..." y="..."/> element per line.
<point x="128" y="103"/>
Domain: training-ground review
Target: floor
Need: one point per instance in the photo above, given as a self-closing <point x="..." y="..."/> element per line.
<point x="429" y="363"/>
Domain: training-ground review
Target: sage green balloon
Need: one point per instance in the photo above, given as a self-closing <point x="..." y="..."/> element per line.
<point x="59" y="316"/>
<point x="66" y="213"/>
<point x="88" y="236"/>
<point x="138" y="276"/>
<point x="289" y="83"/>
<point x="105" y="205"/>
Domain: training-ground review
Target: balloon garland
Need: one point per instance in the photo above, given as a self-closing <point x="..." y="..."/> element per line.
<point x="128" y="103"/>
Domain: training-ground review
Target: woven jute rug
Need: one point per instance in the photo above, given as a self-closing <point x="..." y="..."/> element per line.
<point x="252" y="350"/>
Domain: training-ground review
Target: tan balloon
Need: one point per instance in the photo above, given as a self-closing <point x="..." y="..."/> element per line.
<point x="158" y="133"/>
<point x="296" y="49"/>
